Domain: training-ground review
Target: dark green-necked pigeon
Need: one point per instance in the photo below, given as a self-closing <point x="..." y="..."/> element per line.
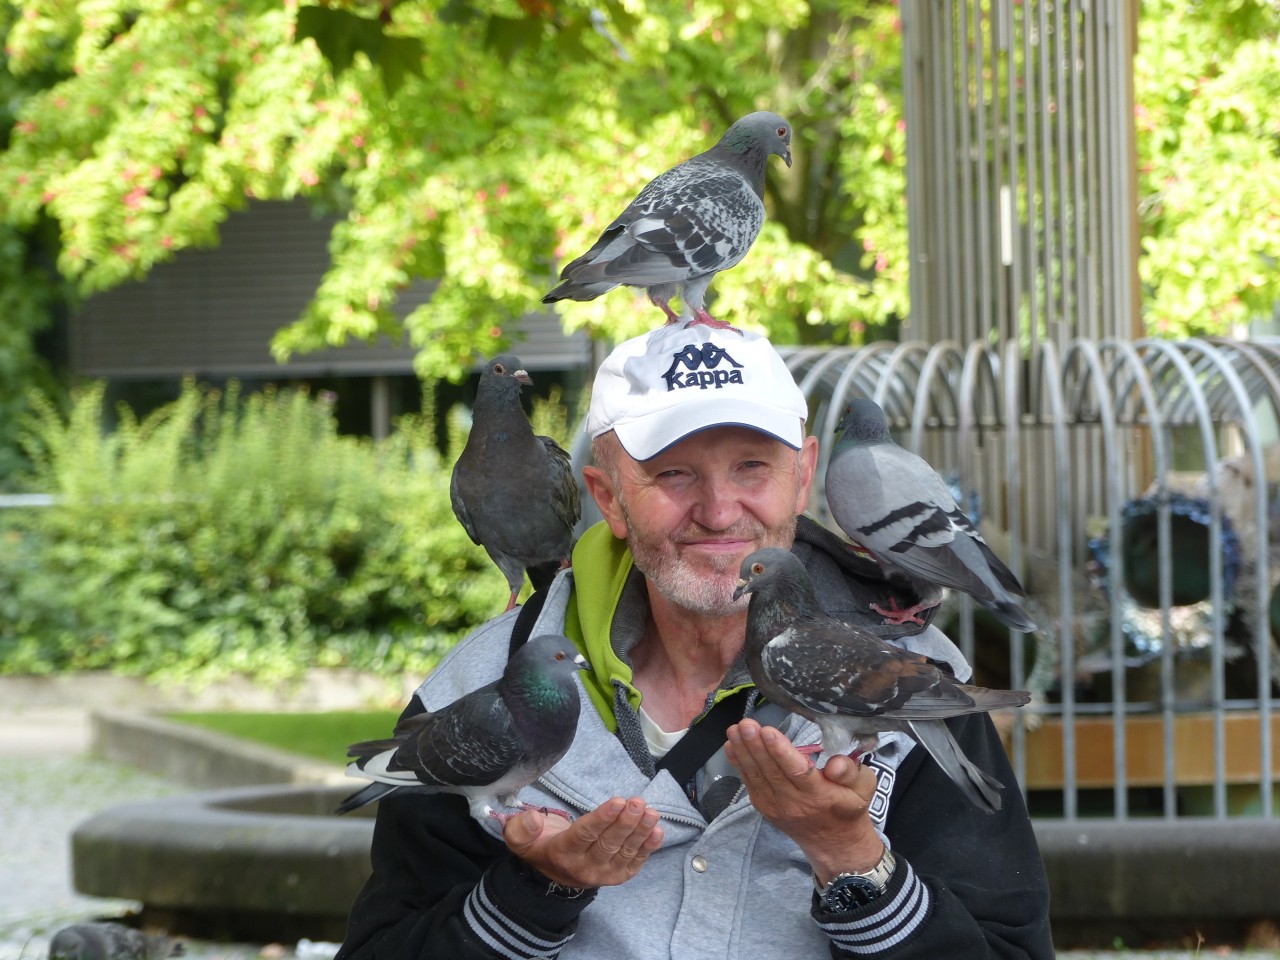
<point x="488" y="744"/>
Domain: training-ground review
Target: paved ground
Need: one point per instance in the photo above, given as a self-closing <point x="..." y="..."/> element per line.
<point x="42" y="756"/>
<point x="48" y="786"/>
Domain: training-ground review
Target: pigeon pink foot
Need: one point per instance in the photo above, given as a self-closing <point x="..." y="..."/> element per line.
<point x="897" y="615"/>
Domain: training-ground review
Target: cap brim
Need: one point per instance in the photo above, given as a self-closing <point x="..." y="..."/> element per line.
<point x="645" y="437"/>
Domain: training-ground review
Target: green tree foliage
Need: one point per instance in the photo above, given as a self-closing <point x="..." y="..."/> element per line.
<point x="475" y="144"/>
<point x="223" y="535"/>
<point x="1207" y="80"/>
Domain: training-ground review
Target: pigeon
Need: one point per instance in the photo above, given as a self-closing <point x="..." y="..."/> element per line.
<point x="488" y="744"/>
<point x="108" y="940"/>
<point x="851" y="683"/>
<point x="514" y="491"/>
<point x="896" y="506"/>
<point x="686" y="225"/>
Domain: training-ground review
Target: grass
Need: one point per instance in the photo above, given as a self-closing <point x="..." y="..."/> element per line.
<point x="321" y="735"/>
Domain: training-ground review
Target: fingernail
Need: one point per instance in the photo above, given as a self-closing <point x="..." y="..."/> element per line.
<point x="749" y="732"/>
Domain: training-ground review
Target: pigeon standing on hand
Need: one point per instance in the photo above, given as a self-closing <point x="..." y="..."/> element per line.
<point x="512" y="490"/>
<point x="108" y="940"/>
<point x="686" y="225"/>
<point x="896" y="506"/>
<point x="852" y="684"/>
<point x="488" y="744"/>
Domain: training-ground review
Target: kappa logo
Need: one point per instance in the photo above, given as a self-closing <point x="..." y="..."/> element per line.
<point x="703" y="367"/>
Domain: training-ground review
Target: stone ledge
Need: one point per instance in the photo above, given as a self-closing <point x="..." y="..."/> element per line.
<point x="202" y="758"/>
<point x="222" y="863"/>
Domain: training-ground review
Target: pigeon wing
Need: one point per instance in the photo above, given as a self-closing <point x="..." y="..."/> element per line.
<point x="565" y="500"/>
<point x="696" y="219"/>
<point x="829" y="667"/>
<point x="471" y="742"/>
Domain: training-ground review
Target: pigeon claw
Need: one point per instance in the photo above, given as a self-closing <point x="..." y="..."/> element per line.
<point x="809" y="751"/>
<point x="547" y="810"/>
<point x="897" y="615"/>
<point x="701" y="316"/>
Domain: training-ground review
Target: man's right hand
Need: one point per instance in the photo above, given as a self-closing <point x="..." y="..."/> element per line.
<point x="604" y="847"/>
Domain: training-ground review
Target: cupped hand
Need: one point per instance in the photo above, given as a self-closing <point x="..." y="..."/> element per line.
<point x="826" y="812"/>
<point x="603" y="847"/>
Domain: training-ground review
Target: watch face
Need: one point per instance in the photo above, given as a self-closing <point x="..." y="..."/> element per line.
<point x="848" y="893"/>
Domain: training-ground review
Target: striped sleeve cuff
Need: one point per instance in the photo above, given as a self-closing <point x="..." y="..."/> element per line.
<point x="883" y="923"/>
<point x="519" y="919"/>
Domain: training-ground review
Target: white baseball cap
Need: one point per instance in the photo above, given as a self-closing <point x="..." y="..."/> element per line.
<point x="656" y="389"/>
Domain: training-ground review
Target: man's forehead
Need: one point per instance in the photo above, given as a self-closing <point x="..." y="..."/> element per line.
<point x="722" y="440"/>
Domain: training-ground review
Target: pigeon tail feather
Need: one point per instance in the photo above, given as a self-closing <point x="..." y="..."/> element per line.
<point x="363" y="797"/>
<point x="981" y="788"/>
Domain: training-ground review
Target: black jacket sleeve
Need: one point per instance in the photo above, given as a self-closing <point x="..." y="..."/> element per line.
<point x="442" y="887"/>
<point x="988" y="894"/>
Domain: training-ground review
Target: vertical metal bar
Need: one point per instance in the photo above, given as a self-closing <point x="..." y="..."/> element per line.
<point x="985" y="156"/>
<point x="1062" y="153"/>
<point x="1029" y="106"/>
<point x="914" y="19"/>
<point x="1093" y="178"/>
<point x="950" y="312"/>
<point x="997" y="201"/>
<point x="1048" y="245"/>
<point x="964" y="161"/>
<point x="1010" y="217"/>
<point x="1080" y="317"/>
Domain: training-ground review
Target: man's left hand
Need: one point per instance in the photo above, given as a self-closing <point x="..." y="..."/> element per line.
<point x="824" y="811"/>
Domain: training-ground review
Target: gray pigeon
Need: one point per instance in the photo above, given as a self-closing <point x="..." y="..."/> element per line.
<point x="488" y="744"/>
<point x="108" y="940"/>
<point x="896" y="506"/>
<point x="512" y="490"/>
<point x="686" y="225"/>
<point x="852" y="684"/>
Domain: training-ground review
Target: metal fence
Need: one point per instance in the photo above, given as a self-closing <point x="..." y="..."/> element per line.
<point x="1020" y="169"/>
<point x="1130" y="484"/>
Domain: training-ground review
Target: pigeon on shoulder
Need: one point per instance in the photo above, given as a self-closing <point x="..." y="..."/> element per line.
<point x="512" y="490"/>
<point x="688" y="224"/>
<point x="488" y="744"/>
<point x="895" y="505"/>
<point x="109" y="940"/>
<point x="852" y="684"/>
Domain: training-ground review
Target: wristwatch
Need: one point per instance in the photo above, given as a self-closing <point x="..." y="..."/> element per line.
<point x="849" y="890"/>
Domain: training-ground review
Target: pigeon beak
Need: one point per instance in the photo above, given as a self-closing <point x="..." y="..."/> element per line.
<point x="523" y="378"/>
<point x="786" y="156"/>
<point x="582" y="662"/>
<point x="744" y="586"/>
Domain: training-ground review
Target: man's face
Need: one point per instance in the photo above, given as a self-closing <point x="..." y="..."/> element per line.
<point x="694" y="512"/>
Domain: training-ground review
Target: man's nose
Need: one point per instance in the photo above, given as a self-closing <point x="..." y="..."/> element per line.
<point x="718" y="505"/>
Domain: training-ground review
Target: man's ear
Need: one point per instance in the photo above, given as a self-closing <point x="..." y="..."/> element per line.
<point x="601" y="489"/>
<point x="808" y="463"/>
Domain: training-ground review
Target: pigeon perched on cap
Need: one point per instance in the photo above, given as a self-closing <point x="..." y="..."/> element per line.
<point x="109" y="940"/>
<point x="852" y="684"/>
<point x="488" y="744"/>
<point x="514" y="491"/>
<point x="896" y="506"/>
<point x="688" y="224"/>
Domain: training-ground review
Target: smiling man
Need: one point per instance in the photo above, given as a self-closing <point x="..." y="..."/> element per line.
<point x="676" y="844"/>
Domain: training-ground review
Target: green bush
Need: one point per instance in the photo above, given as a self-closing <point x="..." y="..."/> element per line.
<point x="227" y="535"/>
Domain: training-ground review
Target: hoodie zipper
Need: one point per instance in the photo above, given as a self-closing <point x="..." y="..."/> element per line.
<point x="569" y="802"/>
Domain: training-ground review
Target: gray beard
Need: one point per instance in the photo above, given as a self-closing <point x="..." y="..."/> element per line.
<point x="698" y="593"/>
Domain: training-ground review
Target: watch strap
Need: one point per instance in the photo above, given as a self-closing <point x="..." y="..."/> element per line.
<point x="879" y="875"/>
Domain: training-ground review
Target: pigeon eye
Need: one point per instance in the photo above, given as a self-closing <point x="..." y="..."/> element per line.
<point x="757" y="568"/>
<point x="499" y="368"/>
<point x="560" y="654"/>
<point x="782" y="131"/>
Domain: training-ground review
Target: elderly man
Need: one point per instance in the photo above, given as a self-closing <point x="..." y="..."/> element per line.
<point x="680" y="845"/>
